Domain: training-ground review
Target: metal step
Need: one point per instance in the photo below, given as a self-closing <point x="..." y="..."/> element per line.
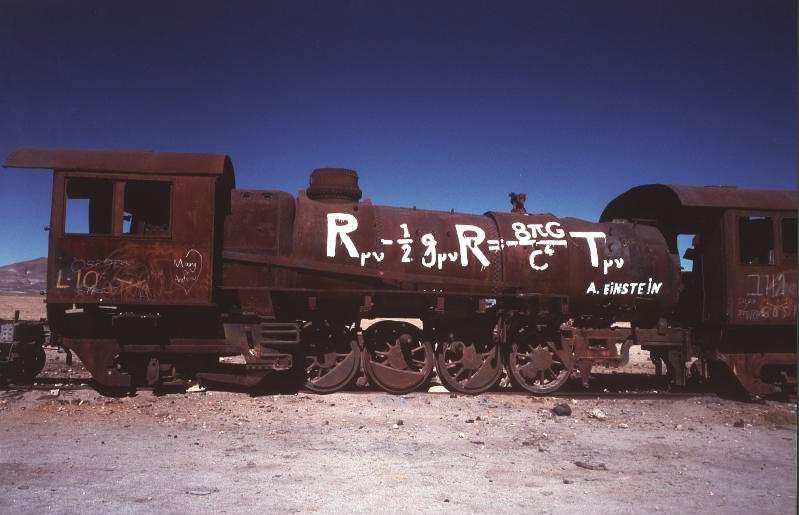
<point x="279" y="334"/>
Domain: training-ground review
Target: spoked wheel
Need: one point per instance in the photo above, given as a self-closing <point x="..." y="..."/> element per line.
<point x="535" y="365"/>
<point x="471" y="365"/>
<point x="332" y="357"/>
<point x="395" y="357"/>
<point x="537" y="369"/>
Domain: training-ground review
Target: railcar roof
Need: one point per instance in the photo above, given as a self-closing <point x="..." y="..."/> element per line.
<point x="656" y="200"/>
<point x="128" y="161"/>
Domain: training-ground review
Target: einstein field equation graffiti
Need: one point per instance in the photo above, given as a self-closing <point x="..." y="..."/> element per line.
<point x="543" y="240"/>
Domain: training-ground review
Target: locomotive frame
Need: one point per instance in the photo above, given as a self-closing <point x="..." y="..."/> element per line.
<point x="176" y="269"/>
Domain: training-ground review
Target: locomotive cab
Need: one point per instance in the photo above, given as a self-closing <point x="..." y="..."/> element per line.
<point x="132" y="228"/>
<point x="133" y="245"/>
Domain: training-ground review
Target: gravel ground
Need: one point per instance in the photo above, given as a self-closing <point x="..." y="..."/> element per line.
<point x="67" y="451"/>
<point x="373" y="452"/>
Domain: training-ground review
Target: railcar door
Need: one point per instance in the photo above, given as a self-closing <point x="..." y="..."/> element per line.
<point x="713" y="251"/>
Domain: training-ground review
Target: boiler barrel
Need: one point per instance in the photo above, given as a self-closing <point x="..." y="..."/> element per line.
<point x="608" y="267"/>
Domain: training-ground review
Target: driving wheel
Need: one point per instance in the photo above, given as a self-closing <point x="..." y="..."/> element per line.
<point x="396" y="358"/>
<point x="469" y="365"/>
<point x="332" y="357"/>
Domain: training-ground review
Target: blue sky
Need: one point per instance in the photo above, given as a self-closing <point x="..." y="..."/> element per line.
<point x="436" y="104"/>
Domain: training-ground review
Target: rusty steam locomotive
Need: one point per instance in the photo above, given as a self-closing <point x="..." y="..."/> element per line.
<point x="158" y="267"/>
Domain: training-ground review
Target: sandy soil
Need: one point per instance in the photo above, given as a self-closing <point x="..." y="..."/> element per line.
<point x="373" y="452"/>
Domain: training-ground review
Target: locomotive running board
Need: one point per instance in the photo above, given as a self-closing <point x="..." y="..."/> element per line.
<point x="335" y="268"/>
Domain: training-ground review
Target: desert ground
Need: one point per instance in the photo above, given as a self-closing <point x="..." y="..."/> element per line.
<point x="64" y="448"/>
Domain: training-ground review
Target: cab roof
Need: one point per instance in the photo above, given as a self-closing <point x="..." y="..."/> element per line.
<point x="127" y="161"/>
<point x="663" y="201"/>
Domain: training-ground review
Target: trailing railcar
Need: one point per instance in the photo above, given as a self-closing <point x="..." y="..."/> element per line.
<point x="739" y="296"/>
<point x="158" y="267"/>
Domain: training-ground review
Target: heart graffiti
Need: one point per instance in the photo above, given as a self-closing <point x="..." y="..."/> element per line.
<point x="188" y="269"/>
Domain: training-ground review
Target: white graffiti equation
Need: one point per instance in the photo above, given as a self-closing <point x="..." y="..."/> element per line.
<point x="542" y="240"/>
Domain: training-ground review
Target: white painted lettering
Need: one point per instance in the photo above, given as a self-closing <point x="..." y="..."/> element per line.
<point x="533" y="265"/>
<point x="591" y="238"/>
<point x="471" y="242"/>
<point x="335" y="230"/>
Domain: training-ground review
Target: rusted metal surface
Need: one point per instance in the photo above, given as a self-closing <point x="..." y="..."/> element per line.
<point x="469" y="354"/>
<point x="332" y="357"/>
<point x="762" y="373"/>
<point x="619" y="269"/>
<point x="396" y="357"/>
<point x="21" y="354"/>
<point x="100" y="357"/>
<point x="258" y="227"/>
<point x="759" y="292"/>
<point x="334" y="185"/>
<point x="173" y="267"/>
<point x="131" y="274"/>
<point x="177" y="268"/>
<point x="740" y="296"/>
<point x="122" y="270"/>
<point x="136" y="162"/>
<point x="540" y="356"/>
<point x="642" y="201"/>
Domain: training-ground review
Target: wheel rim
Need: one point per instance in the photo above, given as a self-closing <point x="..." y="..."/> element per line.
<point x="537" y="368"/>
<point x="332" y="358"/>
<point x="468" y="367"/>
<point x="395" y="358"/>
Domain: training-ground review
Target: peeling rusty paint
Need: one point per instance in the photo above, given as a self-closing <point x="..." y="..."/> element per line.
<point x="220" y="271"/>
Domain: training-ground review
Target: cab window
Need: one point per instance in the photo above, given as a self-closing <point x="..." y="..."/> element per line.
<point x="756" y="239"/>
<point x="147" y="208"/>
<point x="788" y="235"/>
<point x="89" y="204"/>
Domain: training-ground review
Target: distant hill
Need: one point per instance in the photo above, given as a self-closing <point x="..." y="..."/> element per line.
<point x="24" y="277"/>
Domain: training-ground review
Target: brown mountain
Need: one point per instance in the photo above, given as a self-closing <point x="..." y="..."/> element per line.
<point x="24" y="277"/>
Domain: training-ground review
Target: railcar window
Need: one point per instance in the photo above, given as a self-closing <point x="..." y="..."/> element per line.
<point x="147" y="208"/>
<point x="789" y="237"/>
<point x="756" y="238"/>
<point x="89" y="205"/>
